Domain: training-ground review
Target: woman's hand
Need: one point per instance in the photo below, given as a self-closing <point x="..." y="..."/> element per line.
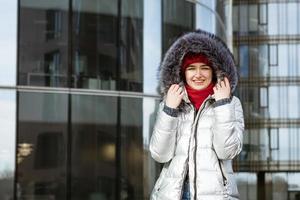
<point x="174" y="96"/>
<point x="222" y="89"/>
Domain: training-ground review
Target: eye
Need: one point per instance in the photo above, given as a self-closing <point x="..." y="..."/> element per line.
<point x="205" y="67"/>
<point x="190" y="68"/>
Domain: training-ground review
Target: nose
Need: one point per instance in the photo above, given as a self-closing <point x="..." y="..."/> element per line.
<point x="198" y="72"/>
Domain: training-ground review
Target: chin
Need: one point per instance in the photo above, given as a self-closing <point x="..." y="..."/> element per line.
<point x="199" y="87"/>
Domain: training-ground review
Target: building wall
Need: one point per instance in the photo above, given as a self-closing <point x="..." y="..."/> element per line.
<point x="266" y="45"/>
<point x="78" y="93"/>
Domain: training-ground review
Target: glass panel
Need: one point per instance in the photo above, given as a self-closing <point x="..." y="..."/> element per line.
<point x="283" y="18"/>
<point x="253" y="21"/>
<point x="131" y="46"/>
<point x="131" y="148"/>
<point x="243" y="19"/>
<point x="178" y="18"/>
<point x="95" y="28"/>
<point x="8" y="42"/>
<point x="263" y="67"/>
<point x="264" y="97"/>
<point x="43" y="46"/>
<point x="42" y="146"/>
<point x="244" y="61"/>
<point x="279" y="186"/>
<point x="273" y="55"/>
<point x="94" y="129"/>
<point x="247" y="185"/>
<point x="96" y="43"/>
<point x="263" y="14"/>
<point x="206" y="16"/>
<point x="285" y="102"/>
<point x="7" y="143"/>
<point x="151" y="44"/>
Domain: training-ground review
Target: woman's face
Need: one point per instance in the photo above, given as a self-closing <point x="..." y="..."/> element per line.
<point x="198" y="75"/>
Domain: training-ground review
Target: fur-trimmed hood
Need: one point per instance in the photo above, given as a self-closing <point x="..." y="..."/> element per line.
<point x="198" y="41"/>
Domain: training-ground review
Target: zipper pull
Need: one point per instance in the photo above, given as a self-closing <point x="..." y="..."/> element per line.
<point x="225" y="182"/>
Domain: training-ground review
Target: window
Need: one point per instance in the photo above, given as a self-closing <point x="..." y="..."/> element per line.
<point x="263" y="14"/>
<point x="54" y="24"/>
<point x="273" y="55"/>
<point x="264" y="94"/>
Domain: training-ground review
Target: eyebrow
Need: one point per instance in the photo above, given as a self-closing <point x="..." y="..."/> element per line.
<point x="205" y="65"/>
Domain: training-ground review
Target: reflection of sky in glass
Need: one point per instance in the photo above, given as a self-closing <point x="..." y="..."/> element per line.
<point x="283" y="18"/>
<point x="149" y="115"/>
<point x="152" y="44"/>
<point x="7" y="123"/>
<point x="244" y="61"/>
<point x="205" y="19"/>
<point x="8" y="42"/>
<point x="284" y="101"/>
<point x="288" y="61"/>
<point x="246" y="183"/>
<point x="288" y="148"/>
<point x="293" y="179"/>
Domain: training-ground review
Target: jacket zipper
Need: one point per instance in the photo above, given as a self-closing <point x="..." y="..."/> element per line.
<point x="195" y="152"/>
<point x="223" y="176"/>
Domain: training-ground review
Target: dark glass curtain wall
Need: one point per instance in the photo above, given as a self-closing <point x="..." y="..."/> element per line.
<point x="43" y="43"/>
<point x="81" y="44"/>
<point x="178" y="18"/>
<point x="91" y="148"/>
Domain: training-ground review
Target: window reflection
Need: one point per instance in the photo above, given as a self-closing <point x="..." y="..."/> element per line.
<point x="43" y="46"/>
<point x="266" y="18"/>
<point x="95" y="44"/>
<point x="131" y="45"/>
<point x="42" y="150"/>
<point x="7" y="143"/>
<point x="178" y="18"/>
<point x="131" y="148"/>
<point x="94" y="132"/>
<point x="104" y="58"/>
<point x="8" y="42"/>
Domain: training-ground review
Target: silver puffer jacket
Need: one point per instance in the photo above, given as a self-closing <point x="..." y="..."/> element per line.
<point x="201" y="143"/>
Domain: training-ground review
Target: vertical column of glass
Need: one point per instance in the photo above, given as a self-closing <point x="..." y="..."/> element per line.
<point x="95" y="36"/>
<point x="93" y="158"/>
<point x="152" y="40"/>
<point x="8" y="60"/>
<point x="43" y="43"/>
<point x="131" y="45"/>
<point x="178" y="18"/>
<point x="7" y="143"/>
<point x="152" y="57"/>
<point x="108" y="44"/>
<point x="8" y="43"/>
<point x="42" y="146"/>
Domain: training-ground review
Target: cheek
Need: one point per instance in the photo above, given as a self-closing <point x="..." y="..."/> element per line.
<point x="208" y="75"/>
<point x="187" y="75"/>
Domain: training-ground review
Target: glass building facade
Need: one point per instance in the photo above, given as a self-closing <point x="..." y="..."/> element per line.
<point x="79" y="93"/>
<point x="266" y="43"/>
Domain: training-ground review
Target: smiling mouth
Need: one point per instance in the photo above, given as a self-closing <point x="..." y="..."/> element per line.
<point x="199" y="81"/>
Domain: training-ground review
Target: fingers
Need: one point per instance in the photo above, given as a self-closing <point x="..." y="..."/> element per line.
<point x="175" y="88"/>
<point x="223" y="84"/>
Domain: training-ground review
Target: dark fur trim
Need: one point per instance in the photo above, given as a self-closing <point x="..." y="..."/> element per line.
<point x="198" y="41"/>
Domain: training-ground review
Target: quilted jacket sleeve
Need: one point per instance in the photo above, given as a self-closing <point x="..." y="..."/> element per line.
<point x="163" y="139"/>
<point x="228" y="129"/>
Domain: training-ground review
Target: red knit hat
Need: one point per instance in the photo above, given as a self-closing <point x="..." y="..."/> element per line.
<point x="191" y="58"/>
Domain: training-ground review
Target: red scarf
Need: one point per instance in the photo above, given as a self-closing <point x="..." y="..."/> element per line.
<point x="198" y="96"/>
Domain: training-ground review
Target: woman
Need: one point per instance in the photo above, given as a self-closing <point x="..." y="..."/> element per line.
<point x="199" y="125"/>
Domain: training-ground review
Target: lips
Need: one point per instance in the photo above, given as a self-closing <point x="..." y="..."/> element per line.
<point x="199" y="81"/>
